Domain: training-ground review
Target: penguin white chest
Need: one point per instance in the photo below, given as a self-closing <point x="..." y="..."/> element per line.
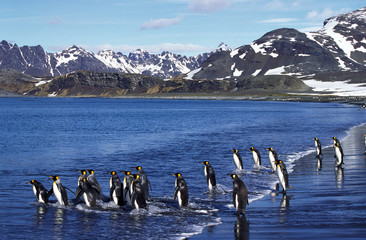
<point x="236" y="202"/>
<point x="205" y="171"/>
<point x="281" y="177"/>
<point x="86" y="199"/>
<point x="35" y="191"/>
<point x="255" y="158"/>
<point x="237" y="162"/>
<point x="210" y="185"/>
<point x="338" y="155"/>
<point x="136" y="204"/>
<point x="179" y="198"/>
<point x="114" y="196"/>
<point x="58" y="194"/>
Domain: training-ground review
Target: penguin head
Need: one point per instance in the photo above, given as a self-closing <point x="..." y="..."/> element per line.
<point x="32" y="182"/>
<point x="91" y="171"/>
<point x="126" y="172"/>
<point x="234" y="150"/>
<point x="233" y="176"/>
<point x="83" y="171"/>
<point x="54" y="178"/>
<point x="270" y="149"/>
<point x="112" y="173"/>
<point x="138" y="168"/>
<point x="205" y="162"/>
<point x="136" y="176"/>
<point x="251" y="149"/>
<point x="277" y="162"/>
<point x="84" y="179"/>
<point x="177" y="175"/>
<point x="316" y="139"/>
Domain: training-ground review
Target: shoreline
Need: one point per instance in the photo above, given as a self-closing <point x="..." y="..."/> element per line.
<point x="318" y="207"/>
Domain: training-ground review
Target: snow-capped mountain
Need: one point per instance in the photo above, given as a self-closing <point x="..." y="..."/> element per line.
<point x="339" y="46"/>
<point x="35" y="61"/>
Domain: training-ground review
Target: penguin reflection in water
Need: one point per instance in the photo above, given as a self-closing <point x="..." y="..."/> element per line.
<point x="237" y="159"/>
<point x="88" y="192"/>
<point x="210" y="176"/>
<point x="59" y="191"/>
<point x="116" y="189"/>
<point x="282" y="175"/>
<point x="138" y="195"/>
<point x="181" y="190"/>
<point x="256" y="156"/>
<point x="240" y="194"/>
<point x="39" y="191"/>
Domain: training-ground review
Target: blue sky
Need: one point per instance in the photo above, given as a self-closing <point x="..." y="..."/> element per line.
<point x="187" y="27"/>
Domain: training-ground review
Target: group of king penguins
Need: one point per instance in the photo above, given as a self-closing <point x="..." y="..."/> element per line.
<point x="134" y="190"/>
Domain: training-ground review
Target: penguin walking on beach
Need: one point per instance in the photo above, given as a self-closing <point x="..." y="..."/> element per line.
<point x="145" y="183"/>
<point x="138" y="196"/>
<point x="59" y="191"/>
<point x="272" y="158"/>
<point x="240" y="194"/>
<point x="237" y="159"/>
<point x="339" y="154"/>
<point x="210" y="175"/>
<point x="93" y="181"/>
<point x="256" y="156"/>
<point x="39" y="191"/>
<point x="116" y="189"/>
<point x="318" y="147"/>
<point x="88" y="192"/>
<point x="181" y="190"/>
<point x="282" y="175"/>
<point x="127" y="191"/>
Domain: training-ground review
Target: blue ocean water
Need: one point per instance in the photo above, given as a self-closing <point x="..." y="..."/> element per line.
<point x="57" y="136"/>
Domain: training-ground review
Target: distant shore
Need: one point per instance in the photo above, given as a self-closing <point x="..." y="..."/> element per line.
<point x="325" y="202"/>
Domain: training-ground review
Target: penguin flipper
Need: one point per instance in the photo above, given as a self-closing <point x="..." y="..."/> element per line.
<point x="80" y="193"/>
<point x="176" y="192"/>
<point x="148" y="182"/>
<point x="49" y="193"/>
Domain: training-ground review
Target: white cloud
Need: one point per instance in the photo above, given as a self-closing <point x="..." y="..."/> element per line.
<point x="160" y="23"/>
<point x="324" y="14"/>
<point x="279" y="20"/>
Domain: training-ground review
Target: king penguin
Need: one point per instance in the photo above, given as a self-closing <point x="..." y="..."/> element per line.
<point x="339" y="154"/>
<point x="93" y="181"/>
<point x="181" y="190"/>
<point x="256" y="156"/>
<point x="272" y="158"/>
<point x="59" y="191"/>
<point x="210" y="175"/>
<point x="145" y="183"/>
<point x="39" y="191"/>
<point x="240" y="194"/>
<point x="237" y="159"/>
<point x="318" y="147"/>
<point x="116" y="189"/>
<point x="127" y="191"/>
<point x="80" y="182"/>
<point x="138" y="196"/>
<point x="282" y="175"/>
<point x="88" y="192"/>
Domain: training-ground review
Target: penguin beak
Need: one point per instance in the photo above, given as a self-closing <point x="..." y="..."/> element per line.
<point x="29" y="182"/>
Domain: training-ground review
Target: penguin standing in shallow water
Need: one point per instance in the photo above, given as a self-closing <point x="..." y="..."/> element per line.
<point x="59" y="191"/>
<point x="339" y="154"/>
<point x="256" y="156"/>
<point x="93" y="181"/>
<point x="80" y="182"/>
<point x="181" y="190"/>
<point x="318" y="147"/>
<point x="88" y="192"/>
<point x="272" y="158"/>
<point x="39" y="191"/>
<point x="237" y="159"/>
<point x="240" y="194"/>
<point x="145" y="183"/>
<point x="138" y="196"/>
<point x="116" y="189"/>
<point x="210" y="175"/>
<point x="127" y="191"/>
<point x="282" y="175"/>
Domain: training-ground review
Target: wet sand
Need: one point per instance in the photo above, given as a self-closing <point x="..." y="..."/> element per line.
<point x="325" y="202"/>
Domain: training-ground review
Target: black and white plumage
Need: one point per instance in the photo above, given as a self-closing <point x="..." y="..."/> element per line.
<point x="127" y="191"/>
<point x="39" y="191"/>
<point x="181" y="190"/>
<point x="93" y="181"/>
<point x="318" y="147"/>
<point x="272" y="154"/>
<point x="256" y="156"/>
<point x="138" y="196"/>
<point x="282" y="175"/>
<point x="145" y="183"/>
<point x="59" y="191"/>
<point x="240" y="194"/>
<point x="88" y="192"/>
<point x="237" y="159"/>
<point x="116" y="189"/>
<point x="80" y="182"/>
<point x="210" y="175"/>
<point x="339" y="154"/>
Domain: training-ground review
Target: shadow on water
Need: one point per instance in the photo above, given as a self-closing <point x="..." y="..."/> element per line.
<point x="241" y="228"/>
